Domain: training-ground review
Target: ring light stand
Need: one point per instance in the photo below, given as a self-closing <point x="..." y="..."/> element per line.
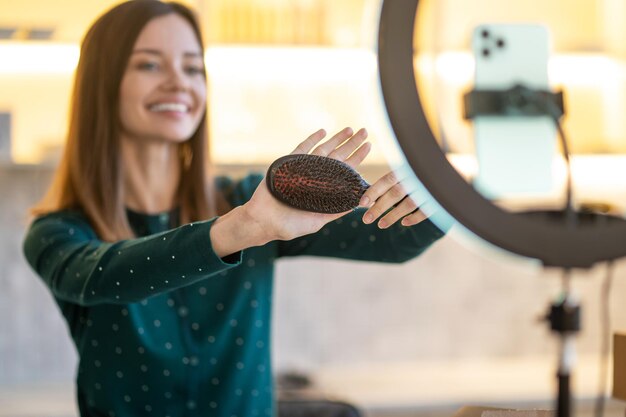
<point x="549" y="236"/>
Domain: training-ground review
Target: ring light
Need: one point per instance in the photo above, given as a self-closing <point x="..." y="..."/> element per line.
<point x="543" y="235"/>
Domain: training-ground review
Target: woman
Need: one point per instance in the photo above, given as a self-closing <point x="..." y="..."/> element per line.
<point x="164" y="275"/>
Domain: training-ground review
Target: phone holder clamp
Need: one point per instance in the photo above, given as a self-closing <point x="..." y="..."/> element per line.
<point x="516" y="101"/>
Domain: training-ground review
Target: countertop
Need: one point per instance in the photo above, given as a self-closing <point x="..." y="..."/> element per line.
<point x="384" y="389"/>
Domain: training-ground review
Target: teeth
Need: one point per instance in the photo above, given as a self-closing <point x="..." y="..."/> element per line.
<point x="178" y="107"/>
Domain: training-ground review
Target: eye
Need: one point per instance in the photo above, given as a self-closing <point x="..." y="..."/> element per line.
<point x="147" y="66"/>
<point x="194" y="70"/>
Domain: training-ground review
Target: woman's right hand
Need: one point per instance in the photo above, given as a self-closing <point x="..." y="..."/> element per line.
<point x="278" y="221"/>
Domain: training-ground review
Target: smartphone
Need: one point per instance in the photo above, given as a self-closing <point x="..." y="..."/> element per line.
<point x="515" y="154"/>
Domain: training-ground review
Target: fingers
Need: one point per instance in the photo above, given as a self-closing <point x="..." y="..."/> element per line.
<point x="343" y="146"/>
<point x="414" y="218"/>
<point x="348" y="147"/>
<point x="359" y="155"/>
<point x="426" y="206"/>
<point x="384" y="194"/>
<point x="378" y="189"/>
<point x="390" y="193"/>
<point x="310" y="142"/>
<point x="408" y="212"/>
<point x="329" y="146"/>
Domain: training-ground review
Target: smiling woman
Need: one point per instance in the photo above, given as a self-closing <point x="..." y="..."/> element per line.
<point x="121" y="87"/>
<point x="164" y="273"/>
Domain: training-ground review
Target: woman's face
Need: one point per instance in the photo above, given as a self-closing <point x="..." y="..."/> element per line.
<point x="163" y="90"/>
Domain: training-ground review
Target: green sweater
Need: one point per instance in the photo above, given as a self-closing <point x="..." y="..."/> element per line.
<point x="163" y="326"/>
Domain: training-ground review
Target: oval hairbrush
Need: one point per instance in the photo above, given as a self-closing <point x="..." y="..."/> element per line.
<point x="315" y="183"/>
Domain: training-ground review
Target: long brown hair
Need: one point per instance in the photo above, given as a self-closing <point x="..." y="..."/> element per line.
<point x="89" y="177"/>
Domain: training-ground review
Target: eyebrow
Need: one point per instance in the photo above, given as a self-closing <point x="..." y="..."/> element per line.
<point x="157" y="52"/>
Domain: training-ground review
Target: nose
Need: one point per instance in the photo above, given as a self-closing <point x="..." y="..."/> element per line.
<point x="177" y="80"/>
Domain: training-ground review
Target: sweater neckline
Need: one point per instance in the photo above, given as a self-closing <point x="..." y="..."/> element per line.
<point x="153" y="221"/>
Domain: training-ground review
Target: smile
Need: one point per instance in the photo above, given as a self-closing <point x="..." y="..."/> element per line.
<point x="165" y="107"/>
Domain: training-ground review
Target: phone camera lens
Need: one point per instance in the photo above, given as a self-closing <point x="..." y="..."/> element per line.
<point x="500" y="43"/>
<point x="484" y="33"/>
<point x="486" y="52"/>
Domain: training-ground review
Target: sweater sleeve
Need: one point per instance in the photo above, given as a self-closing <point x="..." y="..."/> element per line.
<point x="78" y="267"/>
<point x="350" y="238"/>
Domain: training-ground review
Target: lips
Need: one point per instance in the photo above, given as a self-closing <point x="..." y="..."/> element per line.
<point x="169" y="107"/>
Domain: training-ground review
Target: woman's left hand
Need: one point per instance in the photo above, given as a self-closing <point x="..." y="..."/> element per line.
<point x="390" y="192"/>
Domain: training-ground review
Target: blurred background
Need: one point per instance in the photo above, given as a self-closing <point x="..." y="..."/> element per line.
<point x="460" y="325"/>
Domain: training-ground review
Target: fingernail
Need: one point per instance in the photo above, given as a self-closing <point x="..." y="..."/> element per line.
<point x="365" y="201"/>
<point x="382" y="224"/>
<point x="368" y="218"/>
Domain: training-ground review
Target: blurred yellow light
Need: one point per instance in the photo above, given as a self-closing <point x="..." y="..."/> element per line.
<point x="585" y="69"/>
<point x="291" y="63"/>
<point x="597" y="178"/>
<point x="457" y="68"/>
<point x="249" y="62"/>
<point x="38" y="58"/>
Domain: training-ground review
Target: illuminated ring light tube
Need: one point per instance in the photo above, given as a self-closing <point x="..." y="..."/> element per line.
<point x="542" y="235"/>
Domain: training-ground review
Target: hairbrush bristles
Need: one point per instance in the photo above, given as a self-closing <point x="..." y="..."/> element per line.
<point x="315" y="183"/>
